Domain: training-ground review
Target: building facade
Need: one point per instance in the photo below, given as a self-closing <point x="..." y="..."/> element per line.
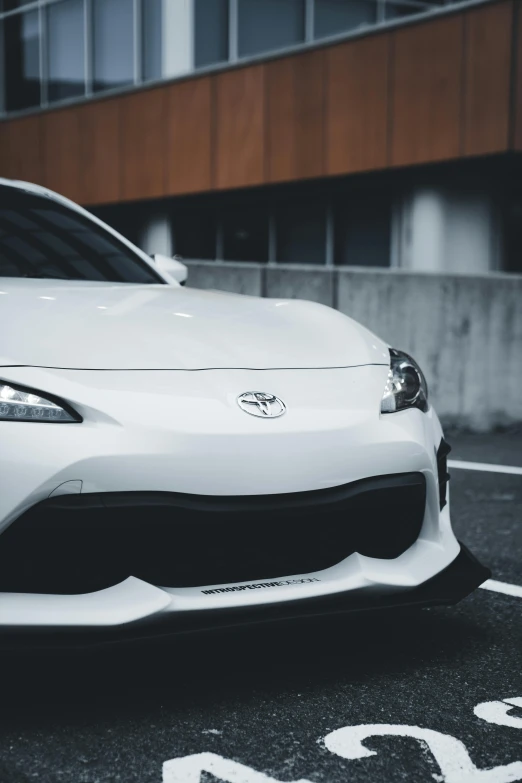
<point x="330" y="149"/>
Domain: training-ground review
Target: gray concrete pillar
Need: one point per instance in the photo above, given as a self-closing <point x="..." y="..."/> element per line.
<point x="156" y="235"/>
<point x="447" y="231"/>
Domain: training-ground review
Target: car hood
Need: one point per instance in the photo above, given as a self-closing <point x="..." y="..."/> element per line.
<point x="80" y="325"/>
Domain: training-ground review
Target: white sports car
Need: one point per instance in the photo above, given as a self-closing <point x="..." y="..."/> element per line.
<point x="174" y="459"/>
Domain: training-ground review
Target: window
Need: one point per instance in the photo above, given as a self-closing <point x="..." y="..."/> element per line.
<point x="65" y="32"/>
<point x="40" y="238"/>
<point x="195" y="234"/>
<point x="22" y="61"/>
<point x="211" y="32"/>
<point x="245" y="235"/>
<point x="338" y="16"/>
<point x="152" y="39"/>
<point x="363" y="232"/>
<point x="113" y="43"/>
<point x="10" y="5"/>
<point x="394" y="9"/>
<point x="513" y="235"/>
<point x="264" y="25"/>
<point x="301" y="235"/>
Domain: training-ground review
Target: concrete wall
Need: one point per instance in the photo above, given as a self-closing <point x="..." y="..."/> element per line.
<point x="465" y="330"/>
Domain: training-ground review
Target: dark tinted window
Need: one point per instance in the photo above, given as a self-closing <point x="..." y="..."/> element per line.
<point x="245" y="235"/>
<point x="195" y="234"/>
<point x="363" y="232"/>
<point x="152" y="39"/>
<point x="395" y="10"/>
<point x="264" y="25"/>
<point x="301" y="235"/>
<point x="10" y="5"/>
<point x="211" y="32"/>
<point x="40" y="238"/>
<point x="513" y="235"/>
<point x="22" y="61"/>
<point x="337" y="16"/>
<point x="66" y="49"/>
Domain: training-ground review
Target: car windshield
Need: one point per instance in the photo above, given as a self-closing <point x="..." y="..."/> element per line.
<point x="41" y="238"/>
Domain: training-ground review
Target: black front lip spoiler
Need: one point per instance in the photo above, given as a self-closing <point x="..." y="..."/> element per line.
<point x="448" y="587"/>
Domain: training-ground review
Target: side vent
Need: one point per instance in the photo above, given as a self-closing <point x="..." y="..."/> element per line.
<point x="442" y="470"/>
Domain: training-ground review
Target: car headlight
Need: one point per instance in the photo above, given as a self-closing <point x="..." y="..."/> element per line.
<point x="406" y="386"/>
<point x="20" y="404"/>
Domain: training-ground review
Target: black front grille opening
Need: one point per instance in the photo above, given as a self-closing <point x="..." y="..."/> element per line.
<point x="442" y="471"/>
<point x="69" y="550"/>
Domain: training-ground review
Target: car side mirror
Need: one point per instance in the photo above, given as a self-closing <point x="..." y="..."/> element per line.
<point x="171" y="268"/>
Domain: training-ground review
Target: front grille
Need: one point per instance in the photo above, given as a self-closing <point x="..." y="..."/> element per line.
<point x="82" y="543"/>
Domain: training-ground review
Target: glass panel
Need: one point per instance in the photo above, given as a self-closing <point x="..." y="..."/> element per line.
<point x="211" y="32"/>
<point x="66" y="49"/>
<point x="269" y="24"/>
<point x="245" y="235"/>
<point x="338" y="16"/>
<point x="195" y="235"/>
<point x="41" y="239"/>
<point x="512" y="219"/>
<point x="10" y="5"/>
<point x="397" y="10"/>
<point x="301" y="235"/>
<point x="113" y="43"/>
<point x="152" y="43"/>
<point x="363" y="232"/>
<point x="22" y="61"/>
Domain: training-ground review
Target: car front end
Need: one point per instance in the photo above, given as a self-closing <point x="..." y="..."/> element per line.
<point x="163" y="506"/>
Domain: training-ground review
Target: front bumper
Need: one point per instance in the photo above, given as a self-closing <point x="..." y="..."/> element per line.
<point x="448" y="587"/>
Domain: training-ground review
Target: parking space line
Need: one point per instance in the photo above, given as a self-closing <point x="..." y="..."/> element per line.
<point x="488" y="468"/>
<point x="502" y="587"/>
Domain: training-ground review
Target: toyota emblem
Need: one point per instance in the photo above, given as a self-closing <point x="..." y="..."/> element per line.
<point x="266" y="406"/>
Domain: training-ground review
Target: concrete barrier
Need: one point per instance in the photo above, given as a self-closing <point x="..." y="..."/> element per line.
<point x="465" y="330"/>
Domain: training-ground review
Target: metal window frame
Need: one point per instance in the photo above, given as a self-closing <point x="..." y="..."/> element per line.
<point x="43" y="56"/>
<point x="137" y="34"/>
<point x="272" y="239"/>
<point x="2" y="70"/>
<point x="309" y="20"/>
<point x="329" y="253"/>
<point x="220" y="239"/>
<point x="233" y="31"/>
<point x="88" y="42"/>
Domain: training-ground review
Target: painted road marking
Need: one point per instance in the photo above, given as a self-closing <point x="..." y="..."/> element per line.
<point x="484" y="466"/>
<point x="498" y="712"/>
<point x="188" y="769"/>
<point x="450" y="753"/>
<point x="502" y="587"/>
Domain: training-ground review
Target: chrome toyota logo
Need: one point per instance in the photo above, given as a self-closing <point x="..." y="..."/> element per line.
<point x="266" y="406"/>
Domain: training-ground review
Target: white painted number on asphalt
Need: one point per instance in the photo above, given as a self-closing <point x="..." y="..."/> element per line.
<point x="498" y="712"/>
<point x="188" y="769"/>
<point x="449" y="753"/>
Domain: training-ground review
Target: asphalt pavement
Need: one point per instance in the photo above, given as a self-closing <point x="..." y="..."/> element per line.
<point x="415" y="696"/>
